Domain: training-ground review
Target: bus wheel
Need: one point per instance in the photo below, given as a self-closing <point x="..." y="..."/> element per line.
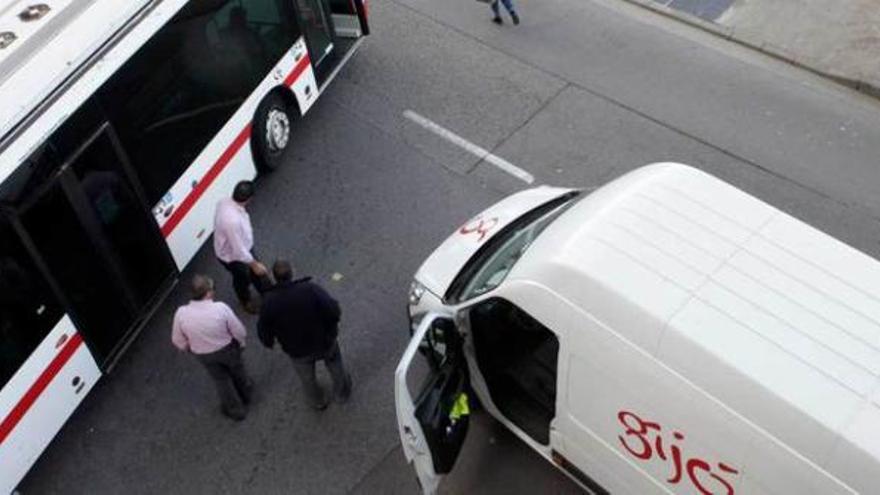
<point x="273" y="125"/>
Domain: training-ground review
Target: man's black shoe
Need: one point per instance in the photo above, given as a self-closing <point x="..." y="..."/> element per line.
<point x="235" y="415"/>
<point x="497" y="20"/>
<point x="515" y="18"/>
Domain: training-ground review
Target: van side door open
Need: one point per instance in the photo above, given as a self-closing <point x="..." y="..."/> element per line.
<point x="517" y="358"/>
<point x="432" y="398"/>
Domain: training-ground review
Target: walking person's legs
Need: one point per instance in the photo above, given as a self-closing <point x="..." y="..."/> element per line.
<point x="244" y="386"/>
<point x="508" y="5"/>
<point x="341" y="378"/>
<point x="497" y="13"/>
<point x="241" y="280"/>
<point x="230" y="402"/>
<point x="305" y="369"/>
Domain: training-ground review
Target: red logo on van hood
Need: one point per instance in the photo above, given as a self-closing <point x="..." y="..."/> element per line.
<point x="441" y="267"/>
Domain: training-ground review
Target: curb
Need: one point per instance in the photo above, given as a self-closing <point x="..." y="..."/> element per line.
<point x="753" y="41"/>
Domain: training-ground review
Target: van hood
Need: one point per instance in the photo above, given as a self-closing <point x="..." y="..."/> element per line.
<point x="441" y="267"/>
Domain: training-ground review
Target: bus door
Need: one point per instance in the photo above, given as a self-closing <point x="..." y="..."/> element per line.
<point x="349" y="18"/>
<point x="90" y="226"/>
<point x="316" y="22"/>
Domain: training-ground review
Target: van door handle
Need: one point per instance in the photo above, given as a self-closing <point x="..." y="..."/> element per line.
<point x="410" y="436"/>
<point x="413" y="441"/>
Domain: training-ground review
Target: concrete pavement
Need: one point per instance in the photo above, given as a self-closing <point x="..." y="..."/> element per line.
<point x="838" y="39"/>
<point x="750" y="108"/>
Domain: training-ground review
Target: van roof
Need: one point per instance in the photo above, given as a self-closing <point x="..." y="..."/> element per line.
<point x="738" y="297"/>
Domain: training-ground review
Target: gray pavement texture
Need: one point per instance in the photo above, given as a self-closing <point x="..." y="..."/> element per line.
<point x="836" y="39"/>
<point x="578" y="94"/>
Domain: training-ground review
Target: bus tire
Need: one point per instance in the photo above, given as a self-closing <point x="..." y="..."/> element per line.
<point x="272" y="132"/>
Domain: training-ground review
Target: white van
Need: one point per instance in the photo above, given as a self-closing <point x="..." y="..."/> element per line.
<point x="666" y="333"/>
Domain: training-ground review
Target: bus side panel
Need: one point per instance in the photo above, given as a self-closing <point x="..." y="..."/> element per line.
<point x="186" y="213"/>
<point x="197" y="225"/>
<point x="302" y="81"/>
<point x="39" y="398"/>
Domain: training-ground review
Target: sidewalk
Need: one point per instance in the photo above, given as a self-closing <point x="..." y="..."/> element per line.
<point x="839" y="39"/>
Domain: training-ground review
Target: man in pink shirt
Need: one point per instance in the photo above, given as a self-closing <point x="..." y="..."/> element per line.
<point x="211" y="331"/>
<point x="234" y="244"/>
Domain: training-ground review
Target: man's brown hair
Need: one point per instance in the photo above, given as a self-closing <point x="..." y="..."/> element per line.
<point x="202" y="285"/>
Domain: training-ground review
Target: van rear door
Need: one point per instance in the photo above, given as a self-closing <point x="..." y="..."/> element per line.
<point x="431" y="394"/>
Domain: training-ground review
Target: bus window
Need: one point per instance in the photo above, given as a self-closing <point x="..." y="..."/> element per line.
<point x="33" y="173"/>
<point x="28" y="310"/>
<point x="172" y="97"/>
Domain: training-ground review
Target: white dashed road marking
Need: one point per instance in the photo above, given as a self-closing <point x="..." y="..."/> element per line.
<point x="470" y="147"/>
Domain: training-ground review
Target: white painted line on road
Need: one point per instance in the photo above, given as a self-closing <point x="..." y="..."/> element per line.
<point x="470" y="147"/>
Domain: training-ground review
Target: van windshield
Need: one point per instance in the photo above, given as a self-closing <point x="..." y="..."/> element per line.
<point x="491" y="264"/>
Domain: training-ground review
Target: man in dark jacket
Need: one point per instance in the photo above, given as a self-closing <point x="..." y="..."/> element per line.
<point x="305" y="321"/>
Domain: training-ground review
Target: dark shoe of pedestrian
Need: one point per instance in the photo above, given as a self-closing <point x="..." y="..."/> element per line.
<point x="515" y="18"/>
<point x="235" y="415"/>
<point x="320" y="402"/>
<point x="343" y="396"/>
<point x="497" y="20"/>
<point x="251" y="306"/>
<point x="247" y="395"/>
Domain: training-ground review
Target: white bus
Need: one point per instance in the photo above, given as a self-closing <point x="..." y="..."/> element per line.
<point x="121" y="125"/>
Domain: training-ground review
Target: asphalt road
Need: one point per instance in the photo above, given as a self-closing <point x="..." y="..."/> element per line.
<point x="579" y="93"/>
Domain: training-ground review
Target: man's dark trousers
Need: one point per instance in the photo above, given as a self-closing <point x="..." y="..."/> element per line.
<point x="305" y="368"/>
<point x="243" y="277"/>
<point x="233" y="385"/>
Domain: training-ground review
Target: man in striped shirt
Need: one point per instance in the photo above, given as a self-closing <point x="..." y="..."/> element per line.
<point x="210" y="330"/>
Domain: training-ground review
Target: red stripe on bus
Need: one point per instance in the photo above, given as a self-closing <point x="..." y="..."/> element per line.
<point x="43" y="381"/>
<point x="297" y="71"/>
<point x="202" y="186"/>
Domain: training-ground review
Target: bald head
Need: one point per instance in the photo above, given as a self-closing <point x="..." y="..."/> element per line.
<point x="283" y="271"/>
<point x="202" y="287"/>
